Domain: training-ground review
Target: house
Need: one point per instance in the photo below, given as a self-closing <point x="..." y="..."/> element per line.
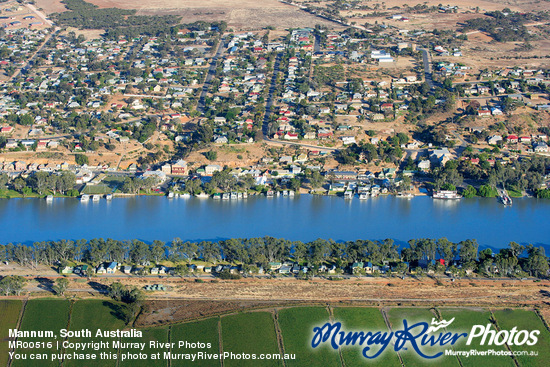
<point x="101" y="269"/>
<point x="211" y="168"/>
<point x="81" y="269"/>
<point x="179" y="168"/>
<point x="512" y="138"/>
<point x="66" y="270"/>
<point x="356" y="267"/>
<point x="274" y="265"/>
<point x="6" y="129"/>
<point x="127" y="269"/>
<point x="111" y="268"/>
<point x="541" y="147"/>
<point x="494" y="139"/>
<point x="348" y="140"/>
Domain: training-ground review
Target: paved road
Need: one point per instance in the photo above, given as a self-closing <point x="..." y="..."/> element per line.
<point x="270" y="97"/>
<point x="211" y="72"/>
<point x="29" y="62"/>
<point x="427" y="67"/>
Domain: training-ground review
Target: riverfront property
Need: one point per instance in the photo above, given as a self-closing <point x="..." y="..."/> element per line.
<point x="304" y="217"/>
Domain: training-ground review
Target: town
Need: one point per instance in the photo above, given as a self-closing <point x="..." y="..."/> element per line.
<point x="201" y="109"/>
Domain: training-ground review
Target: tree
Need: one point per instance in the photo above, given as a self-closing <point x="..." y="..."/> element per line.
<point x="537" y="263"/>
<point x="81" y="159"/>
<point x="61" y="286"/>
<point x="211" y="155"/>
<point x="12" y="284"/>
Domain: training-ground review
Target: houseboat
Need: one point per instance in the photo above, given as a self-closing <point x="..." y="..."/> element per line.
<point x="225" y="196"/>
<point x="291" y="193"/>
<point x="216" y="196"/>
<point x="185" y="195"/>
<point x="245" y="195"/>
<point x="239" y="195"/>
<point x="446" y="194"/>
<point x="405" y="195"/>
<point x="96" y="197"/>
<point x="363" y="196"/>
<point x="234" y="196"/>
<point x="85" y="198"/>
<point x="49" y="198"/>
<point x="109" y="196"/>
<point x="348" y="194"/>
<point x="269" y="193"/>
<point x="202" y="195"/>
<point x="170" y="195"/>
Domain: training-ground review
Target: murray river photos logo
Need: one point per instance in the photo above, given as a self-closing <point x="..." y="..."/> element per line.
<point x="416" y="336"/>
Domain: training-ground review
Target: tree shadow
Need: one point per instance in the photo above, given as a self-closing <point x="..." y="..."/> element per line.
<point x="98" y="287"/>
<point x="117" y="310"/>
<point x="45" y="284"/>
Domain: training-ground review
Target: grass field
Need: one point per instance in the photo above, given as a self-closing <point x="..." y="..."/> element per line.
<point x="154" y="334"/>
<point x="526" y="320"/>
<point x="34" y="318"/>
<point x="410" y="357"/>
<point x="255" y="332"/>
<point x="297" y="327"/>
<point x="205" y="331"/>
<point x="252" y="332"/>
<point x="364" y="319"/>
<point x="464" y="319"/>
<point x="93" y="315"/>
<point x="9" y="311"/>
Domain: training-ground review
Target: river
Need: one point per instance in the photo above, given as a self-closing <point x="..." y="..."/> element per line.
<point x="304" y="217"/>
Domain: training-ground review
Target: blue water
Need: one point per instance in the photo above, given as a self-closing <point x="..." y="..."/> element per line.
<point x="304" y="218"/>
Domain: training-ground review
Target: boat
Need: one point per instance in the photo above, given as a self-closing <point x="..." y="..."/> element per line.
<point x="109" y="196"/>
<point x="170" y="195"/>
<point x="404" y="195"/>
<point x="446" y="194"/>
<point x="49" y="198"/>
<point x="96" y="197"/>
<point x="285" y="192"/>
<point x="85" y="198"/>
<point x="185" y="196"/>
<point x="202" y="195"/>
<point x="245" y="195"/>
<point x="348" y="194"/>
<point x="217" y="196"/>
<point x="291" y="193"/>
<point x="504" y="198"/>
<point x="234" y="196"/>
<point x="269" y="194"/>
<point x="363" y="196"/>
<point x="239" y="195"/>
<point x="225" y="196"/>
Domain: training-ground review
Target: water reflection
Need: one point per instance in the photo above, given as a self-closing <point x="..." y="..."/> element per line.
<point x="304" y="217"/>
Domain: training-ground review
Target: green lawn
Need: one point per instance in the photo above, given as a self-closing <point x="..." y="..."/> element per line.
<point x="364" y="319"/>
<point x="9" y="311"/>
<point x="464" y="320"/>
<point x="205" y="331"/>
<point x="297" y="325"/>
<point x="526" y="320"/>
<point x="252" y="333"/>
<point x="159" y="334"/>
<point x="98" y="189"/>
<point x="34" y="318"/>
<point x="94" y="315"/>
<point x="410" y="357"/>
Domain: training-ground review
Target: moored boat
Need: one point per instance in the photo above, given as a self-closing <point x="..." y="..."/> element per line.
<point x="446" y="194"/>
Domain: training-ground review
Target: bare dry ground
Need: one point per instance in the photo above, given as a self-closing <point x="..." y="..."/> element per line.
<point x="50" y="6"/>
<point x="241" y="14"/>
<point x="189" y="300"/>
